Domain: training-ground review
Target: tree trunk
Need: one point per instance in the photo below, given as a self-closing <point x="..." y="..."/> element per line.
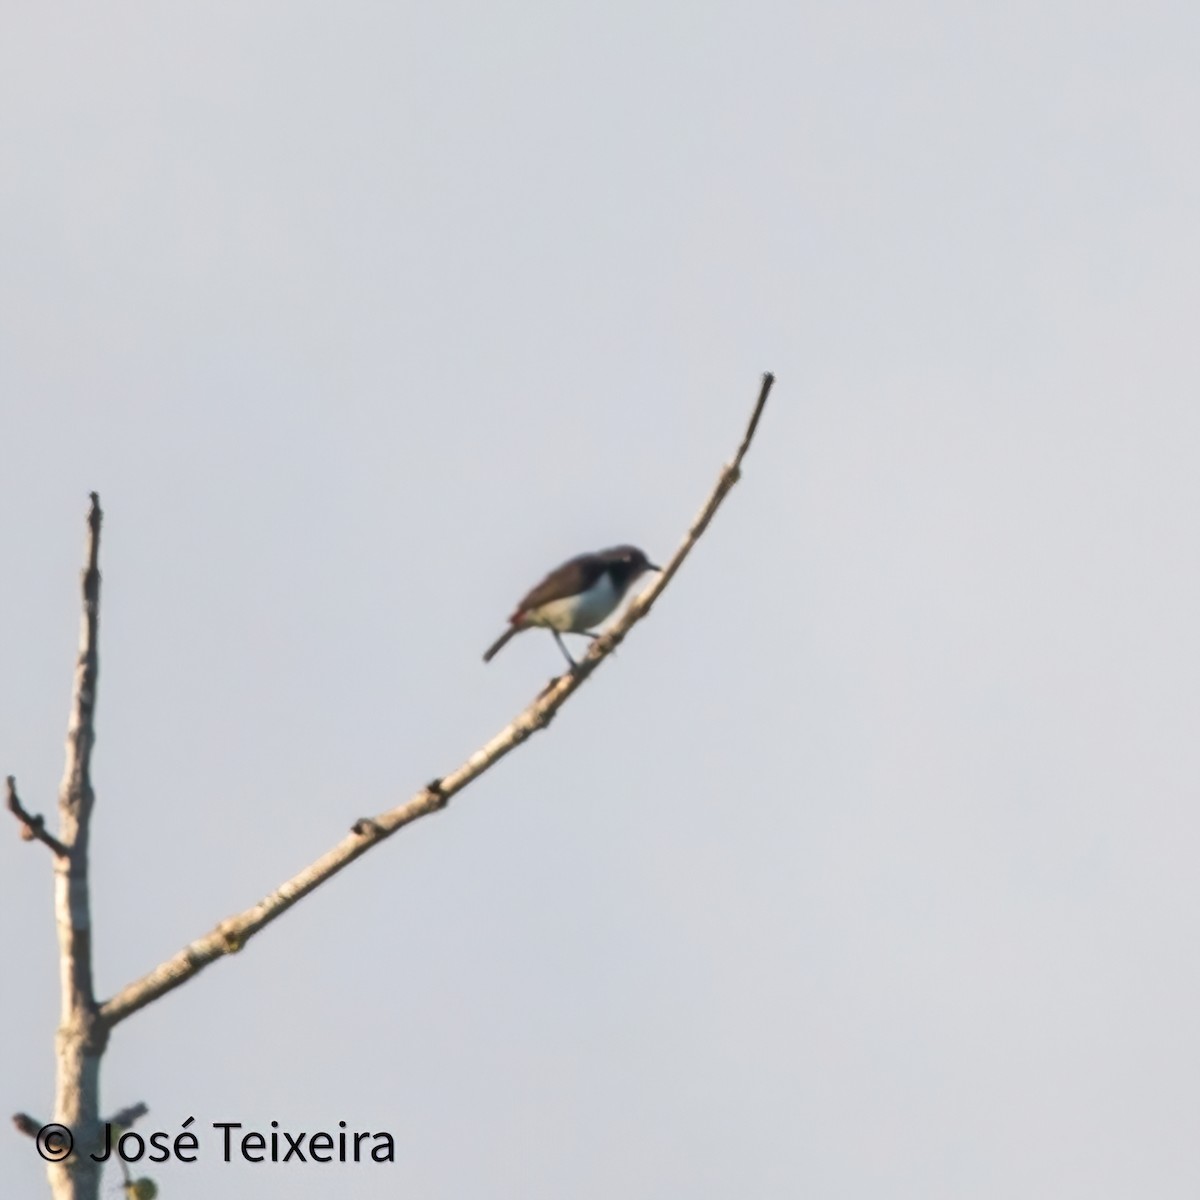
<point x="82" y="1034"/>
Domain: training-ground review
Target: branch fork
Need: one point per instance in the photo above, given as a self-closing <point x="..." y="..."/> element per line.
<point x="86" y="1023"/>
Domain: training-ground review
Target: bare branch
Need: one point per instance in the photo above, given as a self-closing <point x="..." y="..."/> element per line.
<point x="641" y="605"/>
<point x="76" y="789"/>
<point x="33" y="825"/>
<point x="232" y="934"/>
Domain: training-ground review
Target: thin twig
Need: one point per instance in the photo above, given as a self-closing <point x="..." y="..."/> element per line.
<point x="126" y="1117"/>
<point x="123" y="1120"/>
<point x="232" y="934"/>
<point x="26" y="1124"/>
<point x="33" y="825"/>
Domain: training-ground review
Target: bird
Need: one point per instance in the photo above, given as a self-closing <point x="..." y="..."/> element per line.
<point x="576" y="596"/>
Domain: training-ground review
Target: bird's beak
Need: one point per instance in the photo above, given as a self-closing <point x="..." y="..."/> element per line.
<point x="653" y="567"/>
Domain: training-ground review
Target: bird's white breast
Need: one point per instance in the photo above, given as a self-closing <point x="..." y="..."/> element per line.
<point x="574" y="614"/>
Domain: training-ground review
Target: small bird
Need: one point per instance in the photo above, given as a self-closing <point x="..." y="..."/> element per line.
<point x="577" y="596"/>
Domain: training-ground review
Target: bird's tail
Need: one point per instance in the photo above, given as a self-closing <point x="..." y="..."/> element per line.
<point x="500" y="643"/>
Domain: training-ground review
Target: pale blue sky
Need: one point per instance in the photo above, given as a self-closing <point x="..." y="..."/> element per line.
<point x="868" y="868"/>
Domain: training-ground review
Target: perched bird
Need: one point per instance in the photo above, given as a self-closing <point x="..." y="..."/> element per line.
<point x="577" y="596"/>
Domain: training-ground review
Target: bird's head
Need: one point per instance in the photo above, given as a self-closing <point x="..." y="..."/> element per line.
<point x="626" y="564"/>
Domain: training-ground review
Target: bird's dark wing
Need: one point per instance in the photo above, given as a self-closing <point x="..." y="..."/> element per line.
<point x="574" y="576"/>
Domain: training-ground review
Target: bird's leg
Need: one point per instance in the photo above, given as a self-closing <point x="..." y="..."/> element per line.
<point x="563" y="648"/>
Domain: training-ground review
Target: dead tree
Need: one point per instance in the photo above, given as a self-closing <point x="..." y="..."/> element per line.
<point x="86" y="1022"/>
